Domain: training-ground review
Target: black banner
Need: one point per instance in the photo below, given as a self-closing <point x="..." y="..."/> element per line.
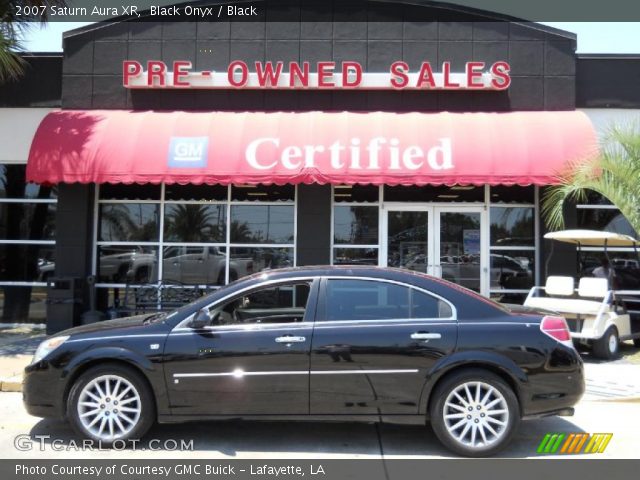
<point x="369" y="469"/>
<point x="333" y="10"/>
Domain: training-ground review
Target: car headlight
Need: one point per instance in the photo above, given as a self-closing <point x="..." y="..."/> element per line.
<point x="48" y="346"/>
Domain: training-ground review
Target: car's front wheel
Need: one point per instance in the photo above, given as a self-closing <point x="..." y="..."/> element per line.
<point x="474" y="413"/>
<point x="111" y="402"/>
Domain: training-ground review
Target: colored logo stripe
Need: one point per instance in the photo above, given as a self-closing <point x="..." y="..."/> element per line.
<point x="574" y="443"/>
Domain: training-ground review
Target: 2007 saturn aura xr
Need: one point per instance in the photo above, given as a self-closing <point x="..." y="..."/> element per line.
<point x="352" y="343"/>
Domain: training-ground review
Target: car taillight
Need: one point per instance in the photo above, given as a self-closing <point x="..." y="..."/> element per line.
<point x="557" y="328"/>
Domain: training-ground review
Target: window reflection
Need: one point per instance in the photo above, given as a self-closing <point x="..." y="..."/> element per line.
<point x="27" y="221"/>
<point x="355" y="225"/>
<point x="121" y="222"/>
<point x="605" y="219"/>
<point x="26" y="263"/>
<point x="124" y="263"/>
<point x="262" y="223"/>
<point x="247" y="260"/>
<point x="355" y="256"/>
<point x="512" y="269"/>
<point x="195" y="264"/>
<point x="512" y="226"/>
<point x="194" y="223"/>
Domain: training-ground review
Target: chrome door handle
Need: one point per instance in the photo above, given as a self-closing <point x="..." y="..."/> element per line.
<point x="290" y="339"/>
<point x="425" y="336"/>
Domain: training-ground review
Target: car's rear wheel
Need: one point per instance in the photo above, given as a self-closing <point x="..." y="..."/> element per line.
<point x="608" y="345"/>
<point x="474" y="413"/>
<point x="109" y="403"/>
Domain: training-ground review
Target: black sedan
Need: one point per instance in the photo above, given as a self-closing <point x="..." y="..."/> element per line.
<point x="340" y="343"/>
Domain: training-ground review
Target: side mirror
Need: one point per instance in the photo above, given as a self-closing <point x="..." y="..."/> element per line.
<point x="201" y="319"/>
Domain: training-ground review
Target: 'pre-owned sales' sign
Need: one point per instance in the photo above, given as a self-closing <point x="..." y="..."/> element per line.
<point x="322" y="75"/>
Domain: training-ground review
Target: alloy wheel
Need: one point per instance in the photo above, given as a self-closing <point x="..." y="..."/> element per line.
<point x="109" y="407"/>
<point x="476" y="414"/>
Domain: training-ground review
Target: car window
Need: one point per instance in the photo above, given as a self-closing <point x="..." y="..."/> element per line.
<point x="283" y="303"/>
<point x="374" y="300"/>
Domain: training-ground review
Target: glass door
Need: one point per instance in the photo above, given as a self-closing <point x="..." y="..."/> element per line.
<point x="447" y="242"/>
<point x="409" y="240"/>
<point x="459" y="246"/>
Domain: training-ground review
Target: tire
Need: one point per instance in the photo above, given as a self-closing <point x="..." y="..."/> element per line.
<point x="636" y="342"/>
<point x="608" y="346"/>
<point x="138" y="397"/>
<point x="460" y="439"/>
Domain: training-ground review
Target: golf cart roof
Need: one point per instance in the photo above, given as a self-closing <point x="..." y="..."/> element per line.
<point x="593" y="238"/>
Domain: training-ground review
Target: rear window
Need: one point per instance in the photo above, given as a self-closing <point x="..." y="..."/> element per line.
<point x="348" y="300"/>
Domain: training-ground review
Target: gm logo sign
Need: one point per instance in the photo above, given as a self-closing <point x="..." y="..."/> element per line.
<point x="188" y="152"/>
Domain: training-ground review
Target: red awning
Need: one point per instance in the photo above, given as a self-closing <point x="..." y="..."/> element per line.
<point x="316" y="147"/>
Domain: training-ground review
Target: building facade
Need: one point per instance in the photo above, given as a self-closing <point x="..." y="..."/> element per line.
<point x="137" y="221"/>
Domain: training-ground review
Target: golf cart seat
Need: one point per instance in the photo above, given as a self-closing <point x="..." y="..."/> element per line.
<point x="594" y="296"/>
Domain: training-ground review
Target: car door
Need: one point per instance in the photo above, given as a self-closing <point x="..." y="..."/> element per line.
<point x="252" y="360"/>
<point x="374" y="343"/>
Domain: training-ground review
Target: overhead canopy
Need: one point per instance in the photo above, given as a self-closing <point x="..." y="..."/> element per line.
<point x="114" y="146"/>
<point x="592" y="238"/>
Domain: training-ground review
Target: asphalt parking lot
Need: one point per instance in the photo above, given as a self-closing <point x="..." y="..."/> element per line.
<point x="238" y="440"/>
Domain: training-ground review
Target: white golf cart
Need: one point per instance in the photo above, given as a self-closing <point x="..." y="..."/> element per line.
<point x="599" y="315"/>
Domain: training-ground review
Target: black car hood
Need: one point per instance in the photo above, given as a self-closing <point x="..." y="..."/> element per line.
<point x="105" y="326"/>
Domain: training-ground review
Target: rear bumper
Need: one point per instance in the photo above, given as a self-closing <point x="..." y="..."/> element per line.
<point x="556" y="387"/>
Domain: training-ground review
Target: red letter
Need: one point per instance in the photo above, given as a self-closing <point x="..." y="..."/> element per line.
<point x="399" y="77"/>
<point x="156" y="69"/>
<point x="302" y="75"/>
<point x="446" y="70"/>
<point x="426" y="76"/>
<point x="353" y="67"/>
<point x="244" y="70"/>
<point x="501" y="78"/>
<point x="474" y="72"/>
<point x="325" y="73"/>
<point x="130" y="68"/>
<point x="180" y="68"/>
<point x="267" y="77"/>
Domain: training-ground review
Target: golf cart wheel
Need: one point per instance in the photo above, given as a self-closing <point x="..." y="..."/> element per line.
<point x="636" y="342"/>
<point x="474" y="413"/>
<point x="608" y="346"/>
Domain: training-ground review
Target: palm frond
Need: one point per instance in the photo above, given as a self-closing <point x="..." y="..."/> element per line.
<point x="614" y="174"/>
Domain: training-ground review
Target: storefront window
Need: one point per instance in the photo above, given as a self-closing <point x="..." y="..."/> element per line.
<point x="261" y="224"/>
<point x="195" y="223"/>
<point x="512" y="226"/>
<point x="512" y="270"/>
<point x="129" y="222"/>
<point x="604" y="219"/>
<point x="192" y="234"/>
<point x="599" y="214"/>
<point x="355" y="225"/>
<point x="27" y="244"/>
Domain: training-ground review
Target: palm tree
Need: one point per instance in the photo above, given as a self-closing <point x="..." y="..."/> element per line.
<point x="12" y="29"/>
<point x="614" y="174"/>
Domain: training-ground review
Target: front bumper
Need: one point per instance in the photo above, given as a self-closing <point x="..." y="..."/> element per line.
<point x="40" y="391"/>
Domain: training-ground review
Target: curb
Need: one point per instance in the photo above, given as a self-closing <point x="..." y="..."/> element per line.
<point x="634" y="399"/>
<point x="11" y="384"/>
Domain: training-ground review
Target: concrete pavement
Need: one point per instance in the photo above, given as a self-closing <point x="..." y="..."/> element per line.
<point x="218" y="440"/>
